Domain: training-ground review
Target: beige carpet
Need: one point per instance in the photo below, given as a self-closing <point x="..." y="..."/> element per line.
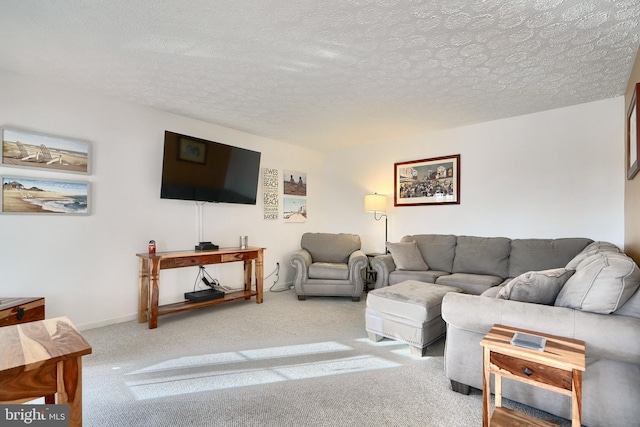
<point x="283" y="362"/>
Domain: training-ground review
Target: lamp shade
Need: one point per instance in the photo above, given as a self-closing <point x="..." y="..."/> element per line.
<point x="375" y="203"/>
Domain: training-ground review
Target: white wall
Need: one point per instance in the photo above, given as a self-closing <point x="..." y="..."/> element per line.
<point x="558" y="173"/>
<point x="85" y="266"/>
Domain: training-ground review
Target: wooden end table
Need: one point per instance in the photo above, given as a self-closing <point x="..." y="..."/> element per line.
<point x="558" y="368"/>
<point x="43" y="358"/>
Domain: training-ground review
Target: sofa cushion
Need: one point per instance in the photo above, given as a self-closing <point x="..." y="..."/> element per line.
<point x="328" y="247"/>
<point x="592" y="248"/>
<point x="538" y="287"/>
<point x="406" y="256"/>
<point x="470" y="283"/>
<point x="427" y="276"/>
<point x="327" y="270"/>
<point x="438" y="250"/>
<point x="543" y="254"/>
<point x="482" y="255"/>
<point x="602" y="283"/>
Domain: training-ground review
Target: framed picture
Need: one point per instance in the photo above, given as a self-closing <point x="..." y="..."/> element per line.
<point x="633" y="144"/>
<point x="192" y="151"/>
<point x="44" y="196"/>
<point x="433" y="181"/>
<point x="28" y="149"/>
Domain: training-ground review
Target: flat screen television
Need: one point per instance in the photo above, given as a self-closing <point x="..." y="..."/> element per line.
<point x="208" y="171"/>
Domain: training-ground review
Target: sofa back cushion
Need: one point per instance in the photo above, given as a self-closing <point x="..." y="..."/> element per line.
<point x="438" y="250"/>
<point x="602" y="283"/>
<point x="543" y="254"/>
<point x="590" y="249"/>
<point x="328" y="247"/>
<point x="482" y="255"/>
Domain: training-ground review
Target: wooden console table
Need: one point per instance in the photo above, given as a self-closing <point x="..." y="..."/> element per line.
<point x="558" y="368"/>
<point x="149" y="283"/>
<point x="43" y="358"/>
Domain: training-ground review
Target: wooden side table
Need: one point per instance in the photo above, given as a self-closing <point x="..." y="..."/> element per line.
<point x="43" y="358"/>
<point x="558" y="368"/>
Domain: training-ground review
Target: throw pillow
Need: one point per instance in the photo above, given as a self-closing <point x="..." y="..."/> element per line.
<point x="538" y="287"/>
<point x="406" y="256"/>
<point x="591" y="249"/>
<point x="602" y="283"/>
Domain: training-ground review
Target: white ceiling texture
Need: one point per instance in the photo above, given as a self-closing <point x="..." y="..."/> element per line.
<point x="329" y="73"/>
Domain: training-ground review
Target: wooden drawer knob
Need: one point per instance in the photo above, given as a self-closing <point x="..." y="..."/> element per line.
<point x="527" y="371"/>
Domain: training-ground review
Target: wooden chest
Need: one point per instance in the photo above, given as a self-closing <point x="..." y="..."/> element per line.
<point x="20" y="310"/>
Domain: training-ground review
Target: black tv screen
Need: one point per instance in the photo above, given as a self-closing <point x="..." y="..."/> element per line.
<point x="201" y="170"/>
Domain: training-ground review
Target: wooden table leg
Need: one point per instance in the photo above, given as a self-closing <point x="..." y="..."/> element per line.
<point x="143" y="291"/>
<point x="70" y="388"/>
<point x="576" y="399"/>
<point x="248" y="272"/>
<point x="486" y="388"/>
<point x="154" y="293"/>
<point x="259" y="276"/>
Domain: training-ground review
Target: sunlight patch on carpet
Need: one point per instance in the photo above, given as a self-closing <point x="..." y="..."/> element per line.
<point x="217" y="379"/>
<point x="247" y="355"/>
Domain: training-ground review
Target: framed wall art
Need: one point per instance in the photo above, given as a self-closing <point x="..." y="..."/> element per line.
<point x="633" y="143"/>
<point x="434" y="181"/>
<point x="26" y="149"/>
<point x="44" y="196"/>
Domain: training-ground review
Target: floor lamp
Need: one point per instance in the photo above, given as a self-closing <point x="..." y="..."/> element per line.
<point x="377" y="203"/>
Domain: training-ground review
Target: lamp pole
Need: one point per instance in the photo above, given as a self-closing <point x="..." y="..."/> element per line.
<point x="386" y="251"/>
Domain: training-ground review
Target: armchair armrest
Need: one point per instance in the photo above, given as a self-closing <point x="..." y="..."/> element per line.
<point x="383" y="266"/>
<point x="357" y="262"/>
<point x="300" y="261"/>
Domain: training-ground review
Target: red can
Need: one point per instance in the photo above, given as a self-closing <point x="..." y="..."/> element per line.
<point x="152" y="246"/>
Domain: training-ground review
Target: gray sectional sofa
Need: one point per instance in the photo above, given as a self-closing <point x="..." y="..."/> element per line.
<point x="574" y="288"/>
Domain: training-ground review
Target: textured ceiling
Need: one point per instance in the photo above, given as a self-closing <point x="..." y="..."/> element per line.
<point x="329" y="73"/>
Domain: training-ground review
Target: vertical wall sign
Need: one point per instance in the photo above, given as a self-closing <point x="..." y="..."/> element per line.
<point x="270" y="182"/>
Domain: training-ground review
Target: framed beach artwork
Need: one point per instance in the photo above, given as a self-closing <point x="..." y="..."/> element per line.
<point x="26" y="149"/>
<point x="434" y="181"/>
<point x="44" y="196"/>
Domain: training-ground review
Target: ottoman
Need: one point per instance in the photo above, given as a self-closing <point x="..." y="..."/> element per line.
<point x="408" y="312"/>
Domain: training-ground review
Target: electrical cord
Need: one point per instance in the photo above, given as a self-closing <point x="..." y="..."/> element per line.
<point x="277" y="273"/>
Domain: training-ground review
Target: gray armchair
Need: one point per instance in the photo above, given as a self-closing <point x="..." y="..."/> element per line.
<point x="329" y="265"/>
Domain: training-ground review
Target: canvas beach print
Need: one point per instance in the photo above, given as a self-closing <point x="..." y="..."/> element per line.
<point x="29" y="195"/>
<point x="295" y="183"/>
<point x="295" y="210"/>
<point x="27" y="149"/>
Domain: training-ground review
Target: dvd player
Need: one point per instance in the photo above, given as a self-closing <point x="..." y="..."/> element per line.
<point x="206" y="295"/>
